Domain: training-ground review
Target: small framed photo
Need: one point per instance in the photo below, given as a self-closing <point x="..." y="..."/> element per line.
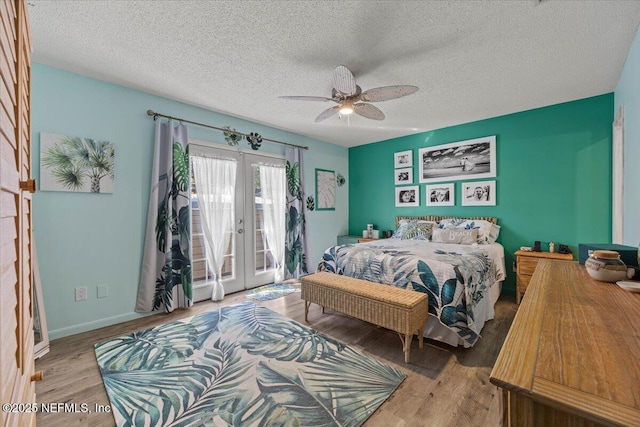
<point x="441" y="195"/>
<point x="407" y="196"/>
<point x="404" y="176"/>
<point x="403" y="159"/>
<point x="479" y="193"/>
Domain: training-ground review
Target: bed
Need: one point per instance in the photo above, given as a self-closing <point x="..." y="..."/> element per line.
<point x="462" y="281"/>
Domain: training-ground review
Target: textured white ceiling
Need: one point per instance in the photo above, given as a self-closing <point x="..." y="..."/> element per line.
<point x="471" y="59"/>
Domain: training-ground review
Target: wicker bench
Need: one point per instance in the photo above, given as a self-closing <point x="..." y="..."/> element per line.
<point x="393" y="308"/>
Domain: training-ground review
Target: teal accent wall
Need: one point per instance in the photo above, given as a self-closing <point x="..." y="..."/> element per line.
<point x="628" y="94"/>
<point x="92" y="239"/>
<point x="553" y="176"/>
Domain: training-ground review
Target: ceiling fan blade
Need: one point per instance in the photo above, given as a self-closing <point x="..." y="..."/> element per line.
<point x="386" y="93"/>
<point x="369" y="111"/>
<point x="327" y="113"/>
<point x="343" y="80"/>
<point x="307" y="98"/>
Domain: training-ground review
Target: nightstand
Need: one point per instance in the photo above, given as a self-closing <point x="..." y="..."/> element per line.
<point x="348" y="239"/>
<point x="526" y="262"/>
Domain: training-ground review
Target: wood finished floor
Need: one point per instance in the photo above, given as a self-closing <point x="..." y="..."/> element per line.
<point x="445" y="386"/>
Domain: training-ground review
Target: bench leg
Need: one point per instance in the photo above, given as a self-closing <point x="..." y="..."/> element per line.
<point x="407" y="346"/>
<point x="306" y="310"/>
<point x="420" y="336"/>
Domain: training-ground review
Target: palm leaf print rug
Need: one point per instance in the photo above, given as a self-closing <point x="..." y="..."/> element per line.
<point x="242" y="365"/>
<point x="272" y="291"/>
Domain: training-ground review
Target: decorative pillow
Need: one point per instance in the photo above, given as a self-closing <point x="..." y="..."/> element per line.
<point x="455" y="235"/>
<point x="487" y="232"/>
<point x="414" y="229"/>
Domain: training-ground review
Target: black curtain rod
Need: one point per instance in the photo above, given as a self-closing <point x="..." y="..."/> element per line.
<point x="156" y="115"/>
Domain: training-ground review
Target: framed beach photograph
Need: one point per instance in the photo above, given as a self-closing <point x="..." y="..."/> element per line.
<point x="403" y="159"/>
<point x="404" y="176"/>
<point x="408" y="196"/>
<point x="474" y="158"/>
<point x="479" y="193"/>
<point x="325" y="190"/>
<point x="441" y="195"/>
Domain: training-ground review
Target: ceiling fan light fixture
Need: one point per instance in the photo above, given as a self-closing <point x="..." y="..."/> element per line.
<point x="347" y="109"/>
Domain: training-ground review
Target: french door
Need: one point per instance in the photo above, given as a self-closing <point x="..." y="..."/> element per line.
<point x="248" y="262"/>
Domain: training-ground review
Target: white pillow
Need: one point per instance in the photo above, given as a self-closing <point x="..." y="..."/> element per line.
<point x="455" y="235"/>
<point x="487" y="231"/>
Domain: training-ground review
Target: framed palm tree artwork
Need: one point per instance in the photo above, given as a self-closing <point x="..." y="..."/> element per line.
<point x="76" y="164"/>
<point x="325" y="190"/>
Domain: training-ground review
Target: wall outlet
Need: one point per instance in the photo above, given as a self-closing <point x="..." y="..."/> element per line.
<point x="103" y="291"/>
<point x="81" y="293"/>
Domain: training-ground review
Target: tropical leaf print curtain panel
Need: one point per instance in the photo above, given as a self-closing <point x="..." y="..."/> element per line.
<point x="295" y="251"/>
<point x="165" y="280"/>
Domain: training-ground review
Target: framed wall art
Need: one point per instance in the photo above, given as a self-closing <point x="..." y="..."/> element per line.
<point x="325" y="190"/>
<point x="404" y="176"/>
<point x="475" y="158"/>
<point x="479" y="193"/>
<point x="75" y="164"/>
<point x="441" y="195"/>
<point x="408" y="196"/>
<point x="403" y="159"/>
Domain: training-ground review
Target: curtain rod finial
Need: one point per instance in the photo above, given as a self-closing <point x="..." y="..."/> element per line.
<point x="151" y="113"/>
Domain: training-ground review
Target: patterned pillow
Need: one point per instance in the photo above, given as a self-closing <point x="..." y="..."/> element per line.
<point x="487" y="232"/>
<point x="455" y="235"/>
<point x="414" y="229"/>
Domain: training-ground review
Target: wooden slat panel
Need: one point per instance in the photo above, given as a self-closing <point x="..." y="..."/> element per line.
<point x="6" y="124"/>
<point x="7" y="152"/>
<point x="8" y="250"/>
<point x="7" y="230"/>
<point x="8" y="103"/>
<point x="26" y="33"/>
<point x="8" y="262"/>
<point x="7" y="29"/>
<point x="7" y="205"/>
<point x="8" y="79"/>
<point x="11" y="9"/>
<point x="10" y="139"/>
<point x="8" y="176"/>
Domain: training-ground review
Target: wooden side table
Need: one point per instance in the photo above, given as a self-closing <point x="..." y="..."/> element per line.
<point x="526" y="263"/>
<point x="365" y="239"/>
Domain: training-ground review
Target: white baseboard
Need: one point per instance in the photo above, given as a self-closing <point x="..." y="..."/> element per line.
<point x="96" y="324"/>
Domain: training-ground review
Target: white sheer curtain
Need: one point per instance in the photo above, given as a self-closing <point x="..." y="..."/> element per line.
<point x="215" y="184"/>
<point x="274" y="203"/>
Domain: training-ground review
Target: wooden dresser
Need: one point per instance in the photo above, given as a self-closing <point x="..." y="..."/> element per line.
<point x="526" y="262"/>
<point x="572" y="355"/>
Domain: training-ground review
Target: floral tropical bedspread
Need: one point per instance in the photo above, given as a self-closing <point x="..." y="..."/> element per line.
<point x="456" y="278"/>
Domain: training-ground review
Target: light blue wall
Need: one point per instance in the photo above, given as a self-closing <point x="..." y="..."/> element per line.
<point x="87" y="239"/>
<point x="628" y="93"/>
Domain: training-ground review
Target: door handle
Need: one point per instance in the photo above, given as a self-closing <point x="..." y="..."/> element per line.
<point x="240" y="230"/>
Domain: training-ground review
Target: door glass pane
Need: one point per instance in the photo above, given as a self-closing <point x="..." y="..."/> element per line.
<point x="202" y="271"/>
<point x="263" y="258"/>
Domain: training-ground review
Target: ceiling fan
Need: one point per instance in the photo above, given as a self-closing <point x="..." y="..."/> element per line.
<point x="351" y="99"/>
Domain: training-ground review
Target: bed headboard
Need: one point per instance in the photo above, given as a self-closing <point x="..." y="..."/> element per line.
<point x="438" y="218"/>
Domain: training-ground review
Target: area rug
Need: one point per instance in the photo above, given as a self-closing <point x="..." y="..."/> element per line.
<point x="242" y="365"/>
<point x="272" y="291"/>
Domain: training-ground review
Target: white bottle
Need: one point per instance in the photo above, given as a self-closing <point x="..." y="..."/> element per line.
<point x="552" y="247"/>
